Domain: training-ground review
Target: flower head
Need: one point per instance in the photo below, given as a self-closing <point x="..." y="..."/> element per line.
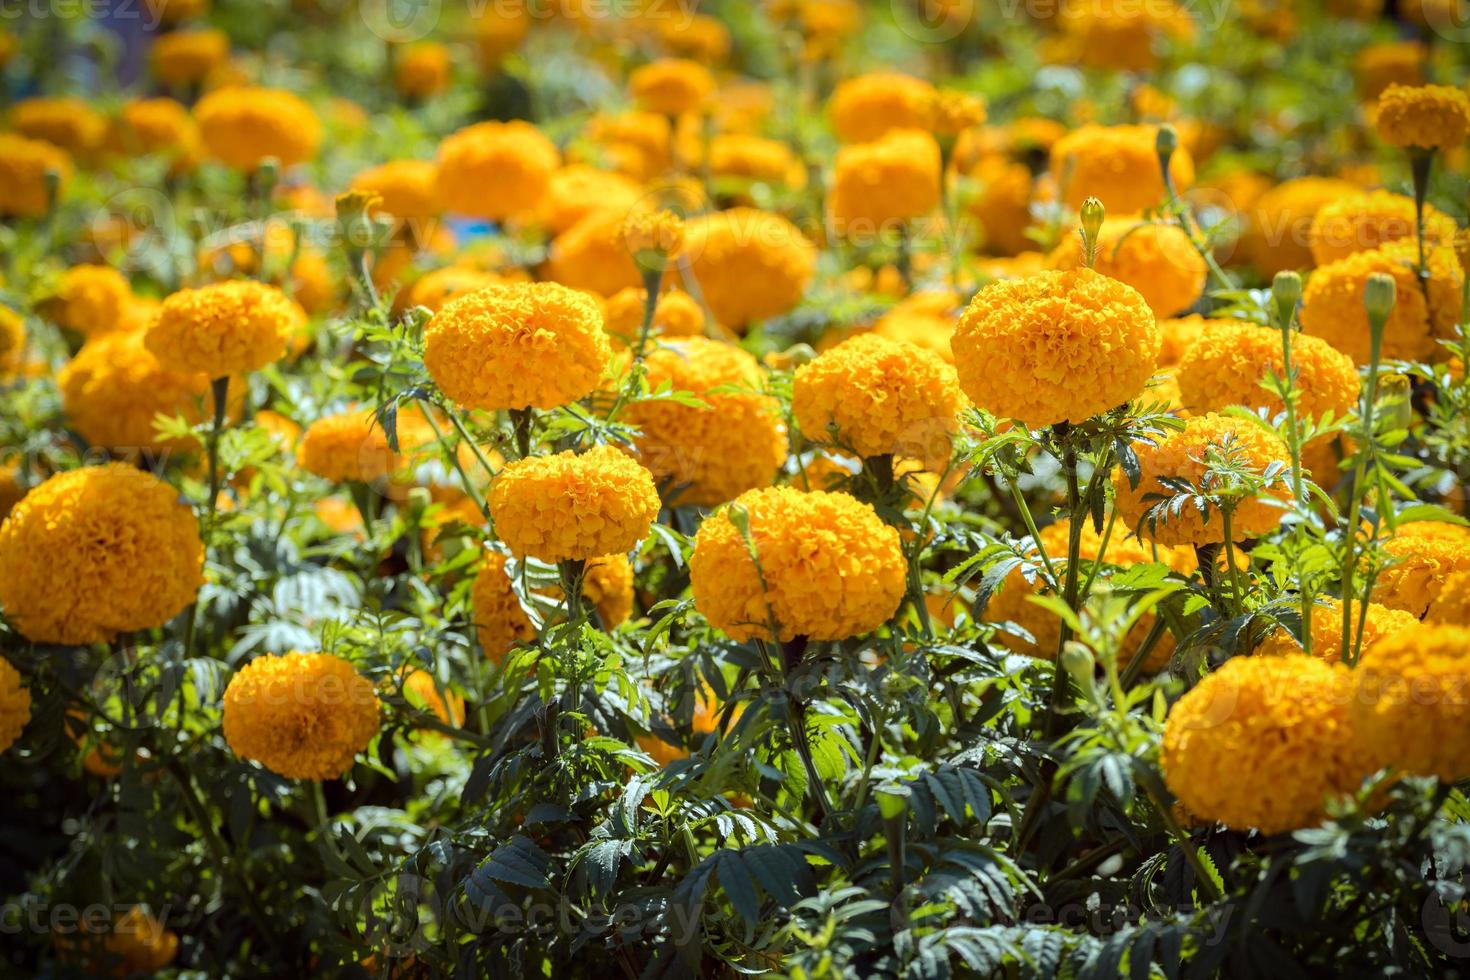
<point x="1118" y="165"/>
<point x="1377" y="621"/>
<point x="1056" y="346"/>
<point x="895" y="178"/>
<point x="1263" y="742"/>
<point x="500" y="622"/>
<point x="1426" y="116"/>
<point x="577" y="190"/>
<point x="436" y="289"/>
<point x="24" y="164"/>
<point x="593" y="255"/>
<point x="537" y="345"/>
<point x="707" y="454"/>
<point x="1359" y="222"/>
<point x="1229" y="361"/>
<point x="98" y="551"/>
<point x="407" y="189"/>
<point x="1412" y="703"/>
<point x="421" y="70"/>
<point x="573" y="507"/>
<point x="67" y="122"/>
<point x="671" y="86"/>
<point x="879" y="397"/>
<point x="224" y="328"/>
<point x="751" y="264"/>
<point x="15" y="705"/>
<point x="182" y="58"/>
<point x="1424" y="555"/>
<point x="1186" y="455"/>
<point x="496" y="170"/>
<point x="825" y="566"/>
<point x="1156" y="259"/>
<point x="926" y="320"/>
<point x="91" y="299"/>
<point x="1278" y="232"/>
<point x="301" y="715"/>
<point x="866" y="107"/>
<point x="349" y="447"/>
<point x="243" y="126"/>
<point x="675" y="314"/>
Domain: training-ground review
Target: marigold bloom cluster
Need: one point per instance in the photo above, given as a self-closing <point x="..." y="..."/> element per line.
<point x="421" y="70"/>
<point x="24" y="164"/>
<point x="593" y="255"/>
<point x="893" y="179"/>
<point x="98" y="551"/>
<point x="536" y="345"/>
<point x="1378" y="621"/>
<point x="91" y="299"/>
<point x="408" y="189"/>
<point x="675" y="314"/>
<point x="1263" y="742"/>
<point x="864" y="108"/>
<point x="1412" y="701"/>
<point x="1154" y="258"/>
<point x="1426" y="116"/>
<point x="1359" y="222"/>
<point x="223" y="328"/>
<point x="182" y="58"/>
<point x="500" y="622"/>
<point x="349" y="447"/>
<point x="1424" y="557"/>
<point x="750" y="264"/>
<point x="825" y="566"/>
<point x="243" y="126"/>
<point x="1228" y="362"/>
<point x="671" y="86"/>
<point x="573" y="507"/>
<point x="70" y="123"/>
<point x="1118" y="165"/>
<point x="1056" y="346"/>
<point x="1278" y="232"/>
<point x="301" y="715"/>
<point x="495" y="170"/>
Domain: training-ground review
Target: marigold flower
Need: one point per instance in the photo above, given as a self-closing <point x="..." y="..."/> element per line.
<point x="500" y="622"/>
<point x="671" y="86"/>
<point x="570" y="507"/>
<point x="1002" y="203"/>
<point x="829" y="568"/>
<point x="708" y="454"/>
<point x="1379" y="621"/>
<point x="311" y="281"/>
<point x="15" y="705"/>
<point x="1430" y="117"/>
<point x="1366" y="221"/>
<point x="1425" y="556"/>
<point x="750" y="264"/>
<point x="421" y="70"/>
<point x="895" y="178"/>
<point x="676" y="314"/>
<point x="497" y="31"/>
<point x="1177" y="335"/>
<point x="1119" y="36"/>
<point x="114" y="391"/>
<point x="1156" y="259"/>
<point x="1332" y="304"/>
<point x="925" y="319"/>
<point x="1012" y="603"/>
<point x="69" y="123"/>
<point x="301" y="715"/>
<point x="90" y="299"/>
<point x="134" y="943"/>
<point x="536" y="345"/>
<point x="652" y="235"/>
<point x="593" y="255"/>
<point x="1452" y="604"/>
<point x="951" y="112"/>
<point x="183" y="58"/>
<point x="1263" y="742"/>
<point x="1412" y="702"/>
<point x="496" y="170"/>
<point x="577" y="190"/>
<point x="244" y="125"/>
<point x="864" y="108"/>
<point x="637" y="142"/>
<point x="1230" y="360"/>
<point x="98" y="551"/>
<point x="434" y="290"/>
<point x="1278" y="234"/>
<point x="878" y="397"/>
<point x="224" y="328"/>
<point x="408" y="189"/>
<point x="742" y="156"/>
<point x="700" y="37"/>
<point x="1118" y="165"/>
<point x="24" y="164"/>
<point x="1056" y="346"/>
<point x="157" y="126"/>
<point x="1389" y="63"/>
<point x="423" y="691"/>
<point x="349" y="447"/>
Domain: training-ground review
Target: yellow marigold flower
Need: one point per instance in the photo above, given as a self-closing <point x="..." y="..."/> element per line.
<point x="1012" y="603"/>
<point x="224" y="328"/>
<point x="421" y="70"/>
<point x="90" y="299"/>
<point x="750" y="264"/>
<point x="700" y="37"/>
<point x="742" y="156"/>
<point x="569" y="507"/>
<point x="593" y="255"/>
<point x="1368" y="220"/>
<point x="24" y="164"/>
<point x="134" y="943"/>
<point x="1230" y="360"/>
<point x="651" y="235"/>
<point x="1392" y="63"/>
<point x="1278" y="233"/>
<point x="1120" y="36"/>
<point x="676" y="314"/>
<point x="577" y="190"/>
<point x="312" y="283"/>
<point x="497" y="31"/>
<point x="1426" y="116"/>
<point x="157" y="126"/>
<point x="1056" y="346"/>
<point x="637" y="142"/>
<point x="495" y="170"/>
<point x="1425" y="556"/>
<point x="708" y="454"/>
<point x="1154" y="258"/>
<point x="893" y="179"/>
<point x="98" y="551"/>
<point x="15" y="705"/>
<point x="951" y="112"/>
<point x="925" y="319"/>
<point x="67" y="122"/>
<point x="1263" y="742"/>
<point x="1118" y="165"/>
<point x="671" y="86"/>
<point x="1002" y="203"/>
<point x="879" y="397"/>
<point x="1412" y="701"/>
<point x="830" y="567"/>
<point x="1332" y="304"/>
<point x="537" y="345"/>
<point x="408" y="189"/>
<point x="301" y="715"/>
<point x="1380" y="621"/>
<point x="1178" y="335"/>
<point x="115" y="390"/>
<point x="349" y="447"/>
<point x="242" y="126"/>
<point x="500" y="622"/>
<point x="866" y="107"/>
<point x="435" y="290"/>
<point x="421" y="690"/>
<point x="1182" y="456"/>
<point x="183" y="58"/>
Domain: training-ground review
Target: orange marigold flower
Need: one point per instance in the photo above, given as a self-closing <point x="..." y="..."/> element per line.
<point x="675" y="314"/>
<point x="24" y="164"/>
<point x="67" y="122"/>
<point x="1380" y="621"/>
<point x="895" y="178"/>
<point x="408" y="189"/>
<point x="15" y="705"/>
<point x="1360" y="222"/>
<point x="1118" y="165"/>
<point x="224" y="328"/>
<point x="90" y="299"/>
<point x="1229" y="361"/>
<point x="244" y="125"/>
<point x="500" y="622"/>
<point x="1154" y="258"/>
<point x="421" y="70"/>
<point x="349" y="447"/>
<point x="593" y="255"/>
<point x="1425" y="556"/>
<point x="1278" y="232"/>
<point x="183" y="58"/>
<point x="496" y="170"/>
<point x="1430" y="117"/>
<point x="577" y="190"/>
<point x="866" y="107"/>
<point x="1412" y="702"/>
<point x="671" y="86"/>
<point x="750" y="264"/>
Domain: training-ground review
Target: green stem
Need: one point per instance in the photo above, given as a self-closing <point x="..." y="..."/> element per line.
<point x="652" y="280"/>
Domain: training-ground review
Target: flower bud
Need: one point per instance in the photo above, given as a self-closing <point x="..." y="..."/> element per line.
<point x="1079" y="664"/>
<point x="1379" y="295"/>
<point x="1092" y="216"/>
